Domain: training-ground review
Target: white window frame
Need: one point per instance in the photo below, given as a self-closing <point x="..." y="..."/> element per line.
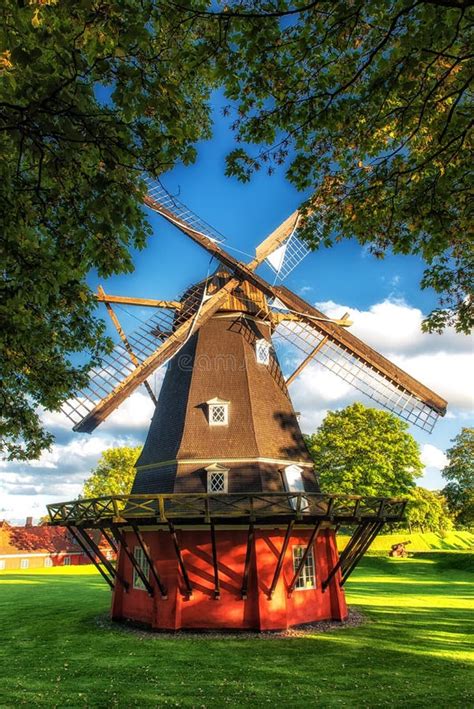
<point x="215" y="405"/>
<point x="142" y="562"/>
<point x="67" y="560"/>
<point x="262" y="351"/>
<point x="24" y="564"/>
<point x="3" y="564"/>
<point x="306" y="580"/>
<point x="223" y="473"/>
<point x="293" y="476"/>
<point x="48" y="562"/>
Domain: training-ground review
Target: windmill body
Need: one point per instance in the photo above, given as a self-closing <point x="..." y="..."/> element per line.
<point x="226" y="527"/>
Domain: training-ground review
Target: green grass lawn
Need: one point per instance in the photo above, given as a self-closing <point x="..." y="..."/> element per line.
<point x="414" y="650"/>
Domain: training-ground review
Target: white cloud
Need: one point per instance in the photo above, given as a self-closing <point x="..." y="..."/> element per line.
<point x="433" y="457"/>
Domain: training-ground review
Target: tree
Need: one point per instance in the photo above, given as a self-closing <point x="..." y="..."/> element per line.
<point x="93" y="95"/>
<point x="369" y="105"/>
<point x="459" y="491"/>
<point x="368" y="102"/>
<point x="114" y="473"/>
<point x="364" y="451"/>
<point x="427" y="511"/>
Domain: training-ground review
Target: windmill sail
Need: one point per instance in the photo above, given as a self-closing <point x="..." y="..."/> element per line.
<point x="359" y="365"/>
<point x="366" y="369"/>
<point x="118" y="378"/>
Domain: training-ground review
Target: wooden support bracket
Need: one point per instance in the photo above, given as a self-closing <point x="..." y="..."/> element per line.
<point x="376" y="527"/>
<point x="217" y="589"/>
<point x="187" y="582"/>
<point x="352" y="541"/>
<point x="248" y="556"/>
<point x="91" y="556"/>
<point x="281" y="558"/>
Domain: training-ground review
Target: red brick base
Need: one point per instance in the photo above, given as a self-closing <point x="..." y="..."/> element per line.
<point x="202" y="610"/>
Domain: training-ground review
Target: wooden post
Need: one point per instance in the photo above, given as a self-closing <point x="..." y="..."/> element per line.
<point x="174" y="537"/>
<point x="306" y="361"/>
<point x="281" y="558"/>
<point x="376" y="529"/>
<point x="109" y="539"/>
<point x="248" y="555"/>
<point x="91" y="556"/>
<point x="108" y="565"/>
<point x="356" y="535"/>
<point x="303" y="559"/>
<point x="217" y="590"/>
<point x="163" y="591"/>
<point x="124" y="339"/>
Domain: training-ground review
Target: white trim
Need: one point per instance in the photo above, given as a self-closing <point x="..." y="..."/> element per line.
<point x="223" y="415"/>
<point x="203" y="461"/>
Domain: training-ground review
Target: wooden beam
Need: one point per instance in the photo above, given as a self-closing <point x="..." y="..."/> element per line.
<point x="306" y="361"/>
<point x="361" y="551"/>
<point x="368" y="355"/>
<point x="187" y="582"/>
<point x="292" y="585"/>
<point x="91" y="556"/>
<point x="215" y="566"/>
<point x="125" y="341"/>
<point x="162" y="353"/>
<point x="248" y="556"/>
<point x="344" y="554"/>
<point x="275" y="239"/>
<point x="281" y="558"/>
<point x="143" y="302"/>
<point x="98" y="552"/>
<point x="109" y="540"/>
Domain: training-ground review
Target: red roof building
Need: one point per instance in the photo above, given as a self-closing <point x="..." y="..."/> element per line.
<point x="39" y="546"/>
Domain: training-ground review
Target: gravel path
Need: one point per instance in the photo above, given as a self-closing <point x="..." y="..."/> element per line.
<point x="355" y="619"/>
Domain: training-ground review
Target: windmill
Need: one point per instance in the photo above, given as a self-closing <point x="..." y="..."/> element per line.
<point x="226" y="521"/>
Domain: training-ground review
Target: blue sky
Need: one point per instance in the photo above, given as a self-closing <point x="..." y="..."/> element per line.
<point x="384" y="297"/>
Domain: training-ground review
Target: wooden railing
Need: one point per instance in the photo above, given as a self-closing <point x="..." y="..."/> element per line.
<point x="235" y="507"/>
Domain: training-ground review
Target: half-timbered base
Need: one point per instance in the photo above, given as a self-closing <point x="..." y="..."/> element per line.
<point x="253" y="585"/>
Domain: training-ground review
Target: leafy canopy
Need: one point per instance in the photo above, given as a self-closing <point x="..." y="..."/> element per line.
<point x="368" y="103"/>
<point x="459" y="472"/>
<point x="92" y="96"/>
<point x="114" y="473"/>
<point x="364" y="451"/>
<point x="426" y="510"/>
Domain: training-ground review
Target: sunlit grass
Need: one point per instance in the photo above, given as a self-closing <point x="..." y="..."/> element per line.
<point x="415" y="650"/>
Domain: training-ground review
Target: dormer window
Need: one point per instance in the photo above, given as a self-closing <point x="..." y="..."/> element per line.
<point x="294" y="483"/>
<point x="262" y="351"/>
<point x="218" y="412"/>
<point x="217" y="478"/>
